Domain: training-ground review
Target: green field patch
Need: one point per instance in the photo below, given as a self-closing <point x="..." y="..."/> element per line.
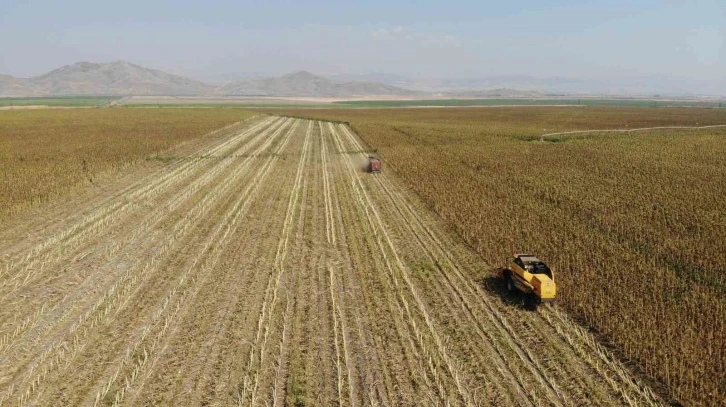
<point x="64" y="101"/>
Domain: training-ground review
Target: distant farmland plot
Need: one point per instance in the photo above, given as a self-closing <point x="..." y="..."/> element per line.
<point x="530" y="102"/>
<point x="45" y="152"/>
<point x="634" y="224"/>
<point x="70" y="101"/>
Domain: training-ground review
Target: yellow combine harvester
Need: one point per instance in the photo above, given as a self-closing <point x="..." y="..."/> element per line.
<point x="528" y="274"/>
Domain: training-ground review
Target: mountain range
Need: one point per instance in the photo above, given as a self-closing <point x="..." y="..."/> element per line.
<point x="511" y="85"/>
<point x="125" y="79"/>
<point x="121" y="78"/>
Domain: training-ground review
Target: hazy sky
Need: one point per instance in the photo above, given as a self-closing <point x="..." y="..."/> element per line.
<point x="429" y="38"/>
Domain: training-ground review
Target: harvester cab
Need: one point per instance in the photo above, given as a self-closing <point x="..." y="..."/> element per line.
<point x="530" y="275"/>
<point x="374" y="165"/>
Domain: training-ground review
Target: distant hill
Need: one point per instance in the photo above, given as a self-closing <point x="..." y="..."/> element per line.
<point x="12" y="86"/>
<point x="121" y="78"/>
<point x="124" y="79"/>
<point x="114" y="78"/>
<point x="642" y="85"/>
<point x="303" y="83"/>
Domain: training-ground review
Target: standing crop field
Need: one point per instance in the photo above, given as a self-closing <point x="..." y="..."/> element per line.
<point x="633" y="223"/>
<point x="265" y="268"/>
<point x="44" y="153"/>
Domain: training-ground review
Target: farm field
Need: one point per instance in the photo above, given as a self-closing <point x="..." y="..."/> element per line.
<point x="634" y="224"/>
<point x="264" y="267"/>
<point x="45" y="153"/>
<point x="540" y="101"/>
<point x="58" y="101"/>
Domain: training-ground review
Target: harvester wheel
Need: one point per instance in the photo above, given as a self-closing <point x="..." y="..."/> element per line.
<point x="531" y="302"/>
<point x="510" y="283"/>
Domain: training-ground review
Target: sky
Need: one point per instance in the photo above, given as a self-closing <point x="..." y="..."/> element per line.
<point x="443" y="39"/>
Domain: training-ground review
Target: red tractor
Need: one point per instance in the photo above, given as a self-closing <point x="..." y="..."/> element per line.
<point x="374" y="165"/>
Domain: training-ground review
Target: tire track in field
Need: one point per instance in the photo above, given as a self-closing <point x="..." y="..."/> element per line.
<point x="380" y="229"/>
<point x="252" y="381"/>
<point x="347" y="292"/>
<point x="361" y="250"/>
<point x="329" y="217"/>
<point x="299" y="263"/>
<point x="406" y="357"/>
<point x="403" y="363"/>
<point x="326" y="288"/>
<point x="344" y="365"/>
<point x="307" y="257"/>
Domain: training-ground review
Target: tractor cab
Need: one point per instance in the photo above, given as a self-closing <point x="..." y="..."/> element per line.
<point x="532" y="265"/>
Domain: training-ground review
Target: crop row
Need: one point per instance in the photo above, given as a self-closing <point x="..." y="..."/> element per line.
<point x="633" y="224"/>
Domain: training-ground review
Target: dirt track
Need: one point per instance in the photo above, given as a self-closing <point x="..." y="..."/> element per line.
<point x="267" y="268"/>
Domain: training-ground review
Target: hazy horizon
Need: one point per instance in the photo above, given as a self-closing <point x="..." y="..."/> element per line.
<point x="432" y="39"/>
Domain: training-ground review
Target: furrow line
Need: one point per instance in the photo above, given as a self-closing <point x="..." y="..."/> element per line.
<point x="111" y="210"/>
<point x="113" y="302"/>
<point x="147" y="225"/>
<point x="422" y="363"/>
<point x="279" y="266"/>
<point x="379" y="229"/>
<point x="214" y="249"/>
<point x="372" y="380"/>
<point x="63" y="242"/>
<point x="329" y="221"/>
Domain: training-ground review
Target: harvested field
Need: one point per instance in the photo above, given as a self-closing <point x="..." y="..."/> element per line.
<point x="45" y="153"/>
<point x="265" y="268"/>
<point x="633" y="223"/>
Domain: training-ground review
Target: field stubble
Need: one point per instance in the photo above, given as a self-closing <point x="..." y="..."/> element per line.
<point x="265" y="268"/>
<point x="45" y="153"/>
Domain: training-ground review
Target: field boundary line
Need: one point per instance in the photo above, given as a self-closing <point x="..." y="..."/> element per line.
<point x="565" y="133"/>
